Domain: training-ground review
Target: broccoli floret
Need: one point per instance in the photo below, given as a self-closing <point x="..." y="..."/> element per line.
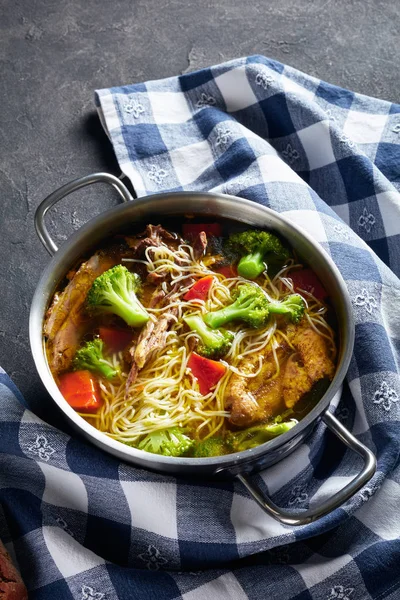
<point x="115" y="292"/>
<point x="214" y="446"/>
<point x="215" y="343"/>
<point x="91" y="357"/>
<point x="259" y="434"/>
<point x="256" y="247"/>
<point x="168" y="442"/>
<point x="250" y="305"/>
<point x="293" y="306"/>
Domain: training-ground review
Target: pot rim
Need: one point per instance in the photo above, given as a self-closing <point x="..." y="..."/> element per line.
<point x="37" y="342"/>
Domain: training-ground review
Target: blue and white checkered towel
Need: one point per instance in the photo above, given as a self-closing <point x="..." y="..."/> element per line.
<point x="83" y="525"/>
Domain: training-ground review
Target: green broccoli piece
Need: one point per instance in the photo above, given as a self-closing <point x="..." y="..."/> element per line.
<point x="259" y="434"/>
<point x="168" y="442"/>
<point x="213" y="446"/>
<point x="115" y="292"/>
<point x="91" y="357"/>
<point x="250" y="305"/>
<point x="293" y="306"/>
<point x="256" y="247"/>
<point x="215" y="343"/>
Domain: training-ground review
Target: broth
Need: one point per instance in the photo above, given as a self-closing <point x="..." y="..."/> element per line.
<point x="211" y="356"/>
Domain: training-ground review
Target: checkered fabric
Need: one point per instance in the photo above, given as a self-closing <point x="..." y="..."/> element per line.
<point x="84" y="525"/>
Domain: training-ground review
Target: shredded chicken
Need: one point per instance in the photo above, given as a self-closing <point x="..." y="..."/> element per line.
<point x="155" y="278"/>
<point x="156" y="297"/>
<point x="200" y="245"/>
<point x="152" y="339"/>
<point x="153" y="235"/>
<point x="157" y="232"/>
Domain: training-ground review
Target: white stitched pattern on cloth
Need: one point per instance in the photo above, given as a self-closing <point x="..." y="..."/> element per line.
<point x="205" y="100"/>
<point x="64" y="525"/>
<point x="264" y="80"/>
<point x="366" y="494"/>
<point x="241" y="182"/>
<point x="342" y="413"/>
<point x="290" y="154"/>
<point x="89" y="593"/>
<point x="224" y="136"/>
<point x="346" y="140"/>
<point x="135" y="108"/>
<point x="366" y="300"/>
<point x="343" y="231"/>
<point x="366" y="220"/>
<point x="152" y="558"/>
<point x="396" y="128"/>
<point x="299" y="495"/>
<point x="329" y="114"/>
<point x="339" y="592"/>
<point x="385" y="395"/>
<point x="157" y="175"/>
<point x="41" y="448"/>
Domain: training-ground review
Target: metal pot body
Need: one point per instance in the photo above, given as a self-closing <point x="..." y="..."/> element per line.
<point x="153" y="209"/>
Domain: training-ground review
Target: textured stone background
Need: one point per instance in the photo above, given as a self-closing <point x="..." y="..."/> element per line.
<point x="54" y="53"/>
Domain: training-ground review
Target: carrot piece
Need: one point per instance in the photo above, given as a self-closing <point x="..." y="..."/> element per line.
<point x="228" y="271"/>
<point x="200" y="289"/>
<point x="81" y="391"/>
<point x="190" y="230"/>
<point x="115" y="339"/>
<point x="306" y="279"/>
<point x="207" y="372"/>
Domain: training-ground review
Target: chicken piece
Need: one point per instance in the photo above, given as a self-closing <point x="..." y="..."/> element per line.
<point x="133" y="373"/>
<point x="54" y="316"/>
<point x="156" y="277"/>
<point x="309" y="364"/>
<point x="252" y="399"/>
<point x="314" y="353"/>
<point x="153" y="235"/>
<point x="255" y="399"/>
<point x="151" y="339"/>
<point x="62" y="349"/>
<point x="158" y="232"/>
<point x="199" y="245"/>
<point x="146" y="339"/>
<point x="156" y="297"/>
<point x="66" y="320"/>
<point x="296" y="381"/>
<point x="66" y="302"/>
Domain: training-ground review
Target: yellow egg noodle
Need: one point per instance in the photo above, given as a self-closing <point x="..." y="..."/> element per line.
<point x="165" y="393"/>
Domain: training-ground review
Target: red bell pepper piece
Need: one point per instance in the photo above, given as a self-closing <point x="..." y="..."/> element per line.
<point x="200" y="289"/>
<point x="115" y="339"/>
<point x="190" y="230"/>
<point x="207" y="372"/>
<point x="228" y="271"/>
<point x="306" y="279"/>
<point x="81" y="391"/>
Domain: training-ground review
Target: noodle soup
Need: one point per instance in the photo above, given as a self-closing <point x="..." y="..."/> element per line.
<point x="193" y="341"/>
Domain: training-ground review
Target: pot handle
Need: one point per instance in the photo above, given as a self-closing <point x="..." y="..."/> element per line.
<point x="308" y="516"/>
<point x="67" y="189"/>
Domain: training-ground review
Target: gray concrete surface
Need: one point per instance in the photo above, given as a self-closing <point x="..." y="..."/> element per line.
<point x="54" y="53"/>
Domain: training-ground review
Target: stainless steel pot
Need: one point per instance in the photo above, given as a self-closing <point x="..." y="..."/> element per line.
<point x="153" y="209"/>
